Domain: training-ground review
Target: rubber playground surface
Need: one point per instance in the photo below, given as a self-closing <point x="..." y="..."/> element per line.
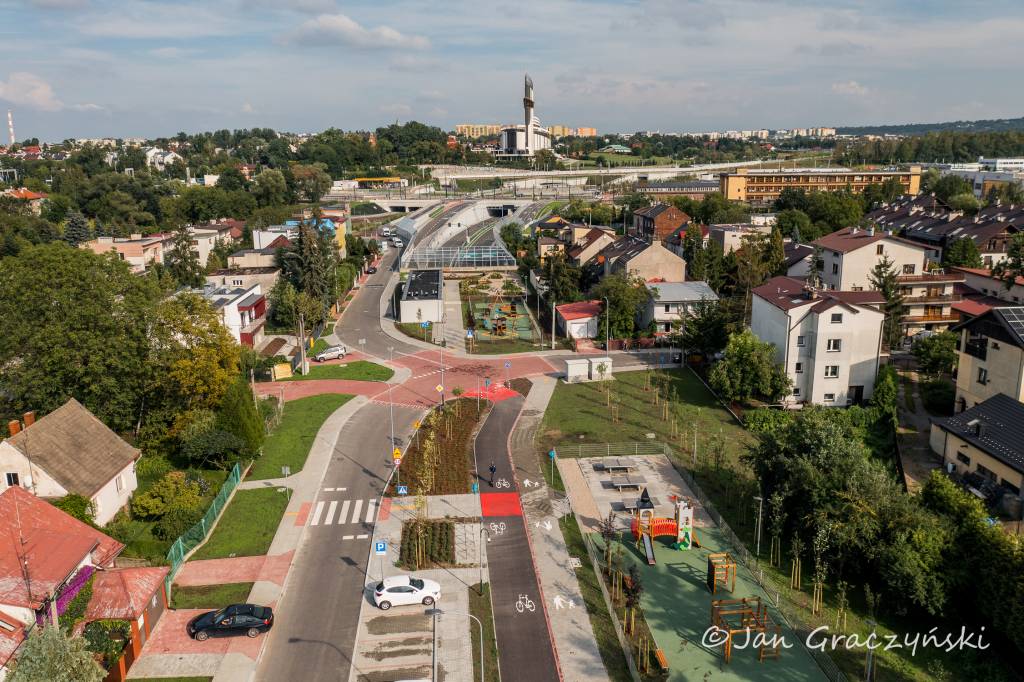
<point x="677" y="603"/>
<point x="491" y="313"/>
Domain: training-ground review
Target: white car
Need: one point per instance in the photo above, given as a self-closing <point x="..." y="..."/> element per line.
<point x="402" y="590"/>
<point x="398" y="243"/>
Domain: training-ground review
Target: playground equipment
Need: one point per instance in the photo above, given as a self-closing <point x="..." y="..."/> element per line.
<point x="754" y="621"/>
<point x="721" y="569"/>
<point x="501" y="320"/>
<point x="645" y="527"/>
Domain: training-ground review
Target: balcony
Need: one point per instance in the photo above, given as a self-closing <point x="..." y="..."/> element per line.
<point x="978" y="350"/>
<point x="930" y="319"/>
<point x="940" y="298"/>
<point x="254" y="325"/>
<point x="910" y="279"/>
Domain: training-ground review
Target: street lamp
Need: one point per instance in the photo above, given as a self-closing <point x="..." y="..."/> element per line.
<point x="694" y="450"/>
<point x="392" y="402"/>
<point x="478" y="396"/>
<point x="607" y="325"/>
<point x="482" y="531"/>
<point x="439" y="612"/>
<point x="760" y="506"/>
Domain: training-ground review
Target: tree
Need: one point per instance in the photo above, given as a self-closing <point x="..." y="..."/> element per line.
<point x="231" y="179"/>
<point x="313" y="181"/>
<point x="1010" y="193"/>
<point x="217" y="446"/>
<point x="791" y="198"/>
<point x="270" y="188"/>
<point x="626" y="295"/>
<point x="776" y="254"/>
<point x="77" y="231"/>
<point x="793" y="222"/>
<point x="239" y="416"/>
<point x="752" y="270"/>
<point x="692" y="242"/>
<point x="1012" y="267"/>
<point x="172" y="491"/>
<point x="963" y="253"/>
<point x="813" y="277"/>
<point x="967" y="203"/>
<point x="748" y="369"/>
<point x="884" y="278"/>
<point x="937" y="353"/>
<point x="182" y="261"/>
<point x="48" y="655"/>
<point x="634" y="588"/>
<point x="951" y="185"/>
<point x="706" y="328"/>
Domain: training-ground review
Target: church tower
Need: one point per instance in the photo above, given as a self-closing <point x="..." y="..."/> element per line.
<point x="528" y="107"/>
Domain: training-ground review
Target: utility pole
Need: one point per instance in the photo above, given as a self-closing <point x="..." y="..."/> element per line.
<point x="302" y="344"/>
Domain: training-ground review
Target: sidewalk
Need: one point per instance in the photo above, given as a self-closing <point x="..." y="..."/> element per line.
<point x="575" y="644"/>
<point x="170" y="650"/>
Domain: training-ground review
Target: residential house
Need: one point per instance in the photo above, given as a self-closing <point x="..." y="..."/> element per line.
<point x="245" y="277"/>
<point x="850" y="254"/>
<point x="986" y="440"/>
<point x="243" y="310"/>
<point x="982" y="291"/>
<point x="671" y="303"/>
<point x="578" y="320"/>
<point x="991" y="354"/>
<point x="227" y="229"/>
<point x="70" y="451"/>
<point x="585" y="249"/>
<point x="731" y="236"/>
<point x="676" y="241"/>
<point x="547" y="246"/>
<point x="34" y="199"/>
<point x="830" y="342"/>
<point x="649" y="260"/>
<point x="251" y="258"/>
<point x="658" y="222"/>
<point x="137" y="250"/>
<point x="159" y="158"/>
<point x="798" y="259"/>
<point x="270" y="237"/>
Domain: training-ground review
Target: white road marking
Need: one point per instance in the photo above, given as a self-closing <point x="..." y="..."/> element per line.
<point x="328" y="490"/>
<point x="317" y="513"/>
<point x="347" y="537"/>
<point x="344" y="512"/>
<point x="330" y="513"/>
<point x="369" y="511"/>
<point x="362" y="537"/>
<point x="355" y="511"/>
<point x="341" y="489"/>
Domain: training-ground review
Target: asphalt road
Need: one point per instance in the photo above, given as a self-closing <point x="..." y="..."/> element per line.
<point x="317" y="619"/>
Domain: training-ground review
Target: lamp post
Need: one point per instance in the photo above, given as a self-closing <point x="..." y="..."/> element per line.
<point x="478" y="396"/>
<point x="440" y="352"/>
<point x="482" y="531"/>
<point x="694" y="450"/>
<point x="760" y="506"/>
<point x="392" y="402"/>
<point x="439" y="612"/>
<point x="607" y="325"/>
<point x="391" y="353"/>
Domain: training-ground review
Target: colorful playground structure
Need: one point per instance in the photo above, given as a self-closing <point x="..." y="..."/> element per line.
<point x="498" y="319"/>
<point x="753" y="621"/>
<point x="645" y="527"/>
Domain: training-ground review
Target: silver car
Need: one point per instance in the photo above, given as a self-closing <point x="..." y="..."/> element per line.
<point x="331" y="353"/>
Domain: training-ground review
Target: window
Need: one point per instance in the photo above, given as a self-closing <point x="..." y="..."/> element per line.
<point x="236" y="282"/>
<point x="831" y="370"/>
<point x="984" y="291"/>
<point x="881" y="250"/>
<point x="799" y="341"/>
<point x="982" y="375"/>
<point x="119" y="483"/>
<point x="799" y="367"/>
<point x="1010" y="487"/>
<point x="835" y="254"/>
<point x="963" y="458"/>
<point x="830" y="397"/>
<point x="121" y="256"/>
<point x="834" y="344"/>
<point x="837" y="317"/>
<point x="987" y="473"/>
<point x="908" y="269"/>
<point x="13" y="479"/>
<point x="856" y="288"/>
<point x="835" y="268"/>
<point x="796" y="392"/>
<point x="667" y="306"/>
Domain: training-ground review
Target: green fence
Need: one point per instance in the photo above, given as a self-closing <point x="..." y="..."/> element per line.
<point x="190" y="540"/>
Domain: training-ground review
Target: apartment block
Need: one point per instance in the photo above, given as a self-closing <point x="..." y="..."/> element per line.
<point x="762" y="187"/>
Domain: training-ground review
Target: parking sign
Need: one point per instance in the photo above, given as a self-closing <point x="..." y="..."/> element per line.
<point x="381" y="548"/>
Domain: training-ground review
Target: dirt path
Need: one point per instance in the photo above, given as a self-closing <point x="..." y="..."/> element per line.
<point x="915" y="429"/>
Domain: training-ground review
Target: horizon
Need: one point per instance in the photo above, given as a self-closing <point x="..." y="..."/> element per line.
<point x="121" y="68"/>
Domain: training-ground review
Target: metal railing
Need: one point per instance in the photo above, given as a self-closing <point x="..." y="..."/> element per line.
<point x="609" y="449"/>
<point x="254" y="324"/>
<point x="933" y="298"/>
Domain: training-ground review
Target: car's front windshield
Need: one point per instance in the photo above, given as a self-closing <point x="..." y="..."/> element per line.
<point x="220" y="614"/>
<point x="418" y="584"/>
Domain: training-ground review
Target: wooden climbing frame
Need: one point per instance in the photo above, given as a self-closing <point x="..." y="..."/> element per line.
<point x="753" y="619"/>
<point x="721" y="571"/>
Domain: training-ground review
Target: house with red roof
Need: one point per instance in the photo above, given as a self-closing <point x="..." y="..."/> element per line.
<point x="578" y="320"/>
<point x="830" y="342"/>
<point x="34" y="199"/>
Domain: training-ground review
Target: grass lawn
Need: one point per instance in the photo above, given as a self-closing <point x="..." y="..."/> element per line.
<point x="247" y="525"/>
<point x="319" y="345"/>
<point x="290" y="442"/>
<point x="488" y="347"/>
<point x="209" y="596"/>
<point x="579" y="410"/>
<point x="480" y="606"/>
<point x="360" y="370"/>
<point x="600" y="619"/>
<point x="415" y="330"/>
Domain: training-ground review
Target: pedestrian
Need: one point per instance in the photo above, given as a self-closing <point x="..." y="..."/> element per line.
<point x="493" y="469"/>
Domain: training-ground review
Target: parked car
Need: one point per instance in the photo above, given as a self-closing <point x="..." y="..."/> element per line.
<point x="402" y="590"/>
<point x="331" y="353"/>
<point x="371" y="270"/>
<point x="251" y="619"/>
<point x="398" y="243"/>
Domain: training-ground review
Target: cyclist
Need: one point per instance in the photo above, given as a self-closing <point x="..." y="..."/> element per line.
<point x="493" y="469"/>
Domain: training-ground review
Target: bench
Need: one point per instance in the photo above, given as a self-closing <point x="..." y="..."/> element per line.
<point x="661" y="659"/>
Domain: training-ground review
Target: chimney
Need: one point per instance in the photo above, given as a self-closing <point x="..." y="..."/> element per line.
<point x="30" y="419"/>
<point x="871" y="231"/>
<point x="853" y="230"/>
<point x="980" y="430"/>
<point x="137" y="235"/>
<point x="15" y="427"/>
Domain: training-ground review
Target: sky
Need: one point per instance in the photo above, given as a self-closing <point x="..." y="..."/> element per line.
<point x="132" y="68"/>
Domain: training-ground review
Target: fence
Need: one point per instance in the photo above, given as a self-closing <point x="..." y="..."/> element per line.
<point x="191" y="539"/>
<point x="608" y="449"/>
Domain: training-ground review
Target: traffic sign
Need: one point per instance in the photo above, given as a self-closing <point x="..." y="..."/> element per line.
<point x="469" y="333"/>
<point x="508" y="364"/>
<point x="381" y="548"/>
<point x="487" y="383"/>
<point x="403" y="490"/>
<point x="552" y="453"/>
<point x="398" y="461"/>
<point x="440" y="388"/>
<point x="398" y="453"/>
<point x="416" y="425"/>
<point x="425" y="324"/>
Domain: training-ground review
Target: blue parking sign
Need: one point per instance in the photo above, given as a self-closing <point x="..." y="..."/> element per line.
<point x="380" y="548"/>
<point x="403" y="490"/>
<point x="487" y="383"/>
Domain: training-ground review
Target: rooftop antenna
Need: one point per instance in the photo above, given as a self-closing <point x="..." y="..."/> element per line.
<point x="10" y="124"/>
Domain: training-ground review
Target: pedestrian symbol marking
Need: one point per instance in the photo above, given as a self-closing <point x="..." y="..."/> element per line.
<point x="403" y="490"/>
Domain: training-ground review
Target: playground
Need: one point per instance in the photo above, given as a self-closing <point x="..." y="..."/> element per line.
<point x="502" y="319"/>
<point x="682" y="557"/>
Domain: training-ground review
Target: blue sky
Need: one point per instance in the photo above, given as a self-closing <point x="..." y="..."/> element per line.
<point x="132" y="68"/>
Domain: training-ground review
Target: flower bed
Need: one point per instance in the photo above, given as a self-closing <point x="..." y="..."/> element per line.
<point x="437" y="461"/>
<point x="73" y="598"/>
<point x="438" y="538"/>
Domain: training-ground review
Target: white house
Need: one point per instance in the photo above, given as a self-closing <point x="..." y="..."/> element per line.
<point x="578" y="320"/>
<point x="158" y="158"/>
<point x="673" y="301"/>
<point x="70" y="451"/>
<point x="830" y="342"/>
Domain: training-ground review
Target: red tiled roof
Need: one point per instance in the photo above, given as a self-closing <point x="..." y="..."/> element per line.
<point x="23" y="193"/>
<point x="123" y="593"/>
<point x="576" y="311"/>
<point x="55" y="544"/>
<point x="845" y="240"/>
<point x="788" y="293"/>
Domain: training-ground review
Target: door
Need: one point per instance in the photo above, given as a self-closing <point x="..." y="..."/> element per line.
<point x="856" y="394"/>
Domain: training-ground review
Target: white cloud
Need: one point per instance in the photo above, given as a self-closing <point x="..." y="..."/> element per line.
<point x="137" y="19"/>
<point x="431" y="94"/>
<point x="438" y="112"/>
<point x="415" y="63"/>
<point x="300" y="6"/>
<point x="30" y="90"/>
<point x="396" y="108"/>
<point x="337" y="30"/>
<point x="171" y="52"/>
<point x="247" y="108"/>
<point x="851" y="88"/>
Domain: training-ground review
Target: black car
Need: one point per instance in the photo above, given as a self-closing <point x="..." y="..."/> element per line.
<point x="250" y="618"/>
<point x="371" y="270"/>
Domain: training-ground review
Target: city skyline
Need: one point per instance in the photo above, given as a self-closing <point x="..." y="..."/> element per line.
<point x="92" y="68"/>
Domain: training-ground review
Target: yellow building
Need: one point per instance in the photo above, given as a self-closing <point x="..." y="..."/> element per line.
<point x="763" y="186"/>
<point x="560" y="131"/>
<point x="586" y="132"/>
<point x="477" y="131"/>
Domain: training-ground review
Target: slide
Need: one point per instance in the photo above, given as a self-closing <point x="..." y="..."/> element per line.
<point x="649" y="548"/>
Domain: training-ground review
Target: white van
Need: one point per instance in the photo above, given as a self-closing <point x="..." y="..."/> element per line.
<point x="386" y="232"/>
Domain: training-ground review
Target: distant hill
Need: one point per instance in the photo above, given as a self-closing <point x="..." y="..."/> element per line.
<point x="994" y="126"/>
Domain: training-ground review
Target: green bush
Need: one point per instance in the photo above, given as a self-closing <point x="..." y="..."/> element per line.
<point x="239" y="416"/>
<point x="177" y="522"/>
<point x="75" y="505"/>
<point x="939" y="395"/>
<point x="172" y="489"/>
<point x="763" y="419"/>
<point x="120" y="527"/>
<point x="97" y="635"/>
<point x="153" y="466"/>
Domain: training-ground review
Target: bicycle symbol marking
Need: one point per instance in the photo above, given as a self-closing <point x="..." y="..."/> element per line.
<point x="498" y="528"/>
<point x="525" y="603"/>
<point x="501" y="483"/>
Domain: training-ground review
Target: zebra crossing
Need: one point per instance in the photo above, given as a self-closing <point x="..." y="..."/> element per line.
<point x="351" y="511"/>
